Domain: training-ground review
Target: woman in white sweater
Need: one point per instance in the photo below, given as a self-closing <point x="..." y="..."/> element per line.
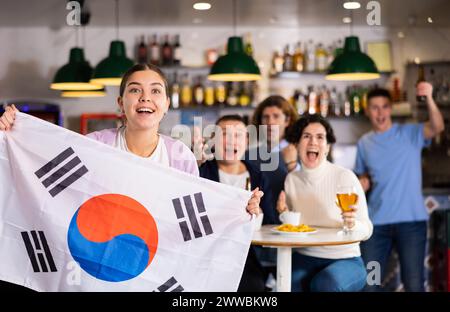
<point x="312" y="191"/>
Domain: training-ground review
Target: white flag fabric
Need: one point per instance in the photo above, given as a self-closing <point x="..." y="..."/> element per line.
<point x="79" y="215"/>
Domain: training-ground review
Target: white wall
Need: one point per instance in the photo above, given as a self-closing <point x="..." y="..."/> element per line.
<point x="29" y="57"/>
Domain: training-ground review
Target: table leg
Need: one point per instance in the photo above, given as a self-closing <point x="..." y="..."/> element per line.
<point x="284" y="269"/>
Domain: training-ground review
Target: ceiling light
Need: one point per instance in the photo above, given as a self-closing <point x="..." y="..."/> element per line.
<point x="352" y="64"/>
<point x="110" y="70"/>
<point x="74" y="75"/>
<point x="351" y="5"/>
<point x="347" y="20"/>
<point x="236" y="65"/>
<point x="401" y="34"/>
<point x="430" y="20"/>
<point x="202" y="6"/>
<point x="83" y="94"/>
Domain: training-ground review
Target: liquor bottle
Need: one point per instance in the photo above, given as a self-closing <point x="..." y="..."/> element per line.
<point x="209" y="94"/>
<point x="321" y="58"/>
<point x="277" y="63"/>
<point x="155" y="53"/>
<point x="199" y="92"/>
<point x="298" y="58"/>
<point x="175" y="96"/>
<point x="338" y="49"/>
<point x="248" y="48"/>
<point x="338" y="105"/>
<point x="232" y="99"/>
<point x="221" y="93"/>
<point x="288" y="60"/>
<point x="324" y="102"/>
<point x="186" y="92"/>
<point x="177" y="51"/>
<point x="312" y="100"/>
<point x="310" y="62"/>
<point x="421" y="78"/>
<point x="330" y="55"/>
<point x="300" y="103"/>
<point x="142" y="51"/>
<point x="244" y="97"/>
<point x="356" y="101"/>
<point x="334" y="101"/>
<point x="167" y="52"/>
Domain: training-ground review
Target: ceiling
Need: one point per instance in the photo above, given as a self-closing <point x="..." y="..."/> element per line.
<point x="282" y="13"/>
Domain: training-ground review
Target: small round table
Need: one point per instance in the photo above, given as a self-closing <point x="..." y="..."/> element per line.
<point x="285" y="242"/>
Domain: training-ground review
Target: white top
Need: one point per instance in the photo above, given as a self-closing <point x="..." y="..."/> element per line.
<point x="313" y="193"/>
<point x="237" y="180"/>
<point x="159" y="155"/>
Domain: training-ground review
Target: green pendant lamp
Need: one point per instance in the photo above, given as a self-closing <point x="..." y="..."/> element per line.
<point x="352" y="64"/>
<point x="110" y="70"/>
<point x="74" y="75"/>
<point x="236" y="65"/>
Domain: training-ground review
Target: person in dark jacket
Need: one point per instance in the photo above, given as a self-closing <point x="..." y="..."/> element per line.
<point x="231" y="140"/>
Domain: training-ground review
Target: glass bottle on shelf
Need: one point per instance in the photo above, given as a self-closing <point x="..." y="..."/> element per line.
<point x="339" y="104"/>
<point x="199" y="92"/>
<point x="312" y="100"/>
<point x="338" y="49"/>
<point x="142" y="51"/>
<point x="175" y="94"/>
<point x="277" y="63"/>
<point x="167" y="52"/>
<point x="232" y="98"/>
<point x="356" y="102"/>
<point x="300" y="103"/>
<point x="288" y="59"/>
<point x="333" y="102"/>
<point x="298" y="58"/>
<point x="324" y="102"/>
<point x="221" y="93"/>
<point x="154" y="51"/>
<point x="310" y="62"/>
<point x="347" y="103"/>
<point x="321" y="58"/>
<point x="177" y="51"/>
<point x="245" y="97"/>
<point x="330" y="55"/>
<point x="248" y="48"/>
<point x="209" y="93"/>
<point x="186" y="92"/>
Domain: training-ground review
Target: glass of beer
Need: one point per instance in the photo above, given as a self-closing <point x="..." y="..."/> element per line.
<point x="345" y="198"/>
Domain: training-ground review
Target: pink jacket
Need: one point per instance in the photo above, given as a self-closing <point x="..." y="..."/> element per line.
<point x="180" y="156"/>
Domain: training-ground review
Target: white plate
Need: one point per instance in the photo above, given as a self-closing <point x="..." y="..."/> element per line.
<point x="274" y="229"/>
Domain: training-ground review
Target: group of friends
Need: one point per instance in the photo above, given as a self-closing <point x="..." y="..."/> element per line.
<point x="387" y="172"/>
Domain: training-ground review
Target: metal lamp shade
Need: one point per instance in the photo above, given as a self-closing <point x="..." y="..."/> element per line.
<point x="110" y="70"/>
<point x="352" y="64"/>
<point x="236" y="65"/>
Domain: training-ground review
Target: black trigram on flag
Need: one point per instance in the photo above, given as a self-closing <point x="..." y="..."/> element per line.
<point x="190" y="222"/>
<point x="38" y="251"/>
<point x="59" y="169"/>
<point x="171" y="285"/>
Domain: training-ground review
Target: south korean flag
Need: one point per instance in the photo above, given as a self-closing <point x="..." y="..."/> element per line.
<point x="79" y="215"/>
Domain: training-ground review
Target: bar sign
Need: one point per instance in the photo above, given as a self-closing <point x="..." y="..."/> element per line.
<point x="61" y="173"/>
